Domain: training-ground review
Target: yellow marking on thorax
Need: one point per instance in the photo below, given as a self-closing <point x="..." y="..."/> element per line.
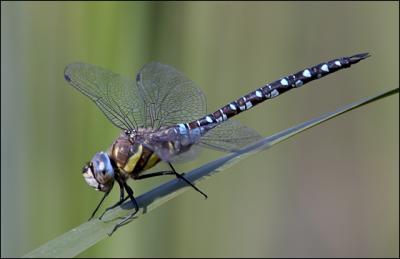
<point x="132" y="161"/>
<point x="154" y="159"/>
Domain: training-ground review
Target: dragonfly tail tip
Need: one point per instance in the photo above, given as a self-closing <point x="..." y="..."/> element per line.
<point x="356" y="58"/>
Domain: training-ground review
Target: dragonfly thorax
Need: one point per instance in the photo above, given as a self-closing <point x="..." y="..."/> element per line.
<point x="137" y="135"/>
<point x="130" y="154"/>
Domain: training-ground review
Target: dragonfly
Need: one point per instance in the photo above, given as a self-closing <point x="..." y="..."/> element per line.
<point x="162" y="116"/>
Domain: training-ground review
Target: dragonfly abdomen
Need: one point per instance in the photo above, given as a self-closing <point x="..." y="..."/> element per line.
<point x="276" y="88"/>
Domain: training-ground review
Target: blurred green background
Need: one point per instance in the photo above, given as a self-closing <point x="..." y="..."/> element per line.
<point x="331" y="191"/>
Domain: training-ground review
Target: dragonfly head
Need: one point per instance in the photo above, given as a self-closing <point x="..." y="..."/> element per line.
<point x="99" y="172"/>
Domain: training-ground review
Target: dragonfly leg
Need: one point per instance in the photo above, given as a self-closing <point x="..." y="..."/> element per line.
<point x="173" y="172"/>
<point x="122" y="193"/>
<point x="154" y="174"/>
<point x="132" y="215"/>
<point x="178" y="175"/>
<point x="121" y="199"/>
<point x="98" y="206"/>
<point x="130" y="193"/>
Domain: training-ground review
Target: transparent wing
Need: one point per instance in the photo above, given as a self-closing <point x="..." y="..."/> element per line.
<point x="229" y="136"/>
<point x="184" y="157"/>
<point x="170" y="97"/>
<point x="163" y="96"/>
<point x="117" y="97"/>
<point x="170" y="144"/>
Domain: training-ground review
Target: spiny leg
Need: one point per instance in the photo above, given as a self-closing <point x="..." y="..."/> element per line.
<point x="130" y="193"/>
<point x="129" y="217"/>
<point x="98" y="206"/>
<point x="173" y="172"/>
<point x="186" y="180"/>
<point x="143" y="176"/>
<point x="121" y="199"/>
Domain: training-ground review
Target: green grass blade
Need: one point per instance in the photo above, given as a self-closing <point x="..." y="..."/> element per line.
<point x="84" y="236"/>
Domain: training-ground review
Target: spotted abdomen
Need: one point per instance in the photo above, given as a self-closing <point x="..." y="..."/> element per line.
<point x="274" y="89"/>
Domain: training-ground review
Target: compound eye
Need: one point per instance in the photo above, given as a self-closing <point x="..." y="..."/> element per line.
<point x="99" y="172"/>
<point x="103" y="170"/>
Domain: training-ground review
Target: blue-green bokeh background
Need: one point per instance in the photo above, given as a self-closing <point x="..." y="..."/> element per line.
<point x="331" y="191"/>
